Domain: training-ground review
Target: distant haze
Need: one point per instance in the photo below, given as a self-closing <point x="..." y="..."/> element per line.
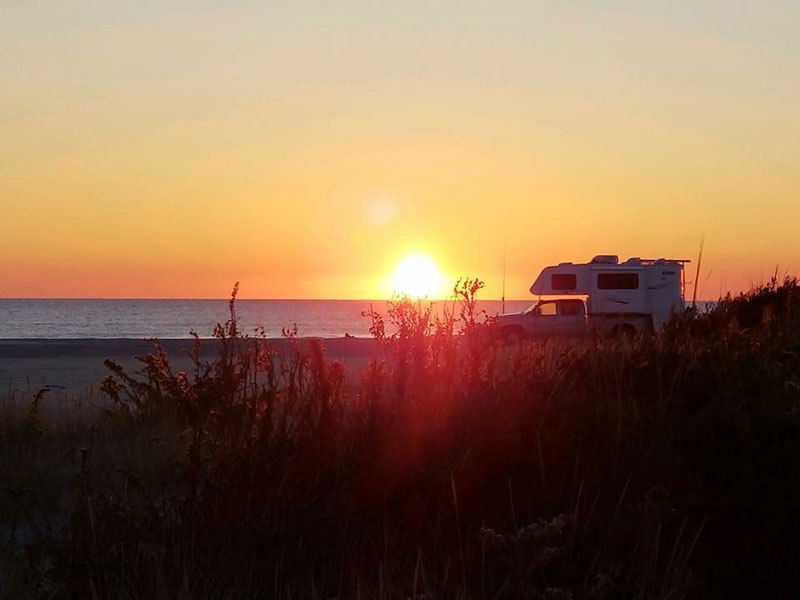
<point x="168" y="149"/>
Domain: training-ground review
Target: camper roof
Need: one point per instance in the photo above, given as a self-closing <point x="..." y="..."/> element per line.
<point x="613" y="259"/>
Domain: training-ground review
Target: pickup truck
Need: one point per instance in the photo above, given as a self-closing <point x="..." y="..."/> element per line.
<point x="546" y="318"/>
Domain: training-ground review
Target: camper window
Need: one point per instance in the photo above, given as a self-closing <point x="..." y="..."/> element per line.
<point x="563" y="281"/>
<point x="618" y="281"/>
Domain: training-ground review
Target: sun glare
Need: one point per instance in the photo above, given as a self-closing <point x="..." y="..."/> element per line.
<point x="418" y="276"/>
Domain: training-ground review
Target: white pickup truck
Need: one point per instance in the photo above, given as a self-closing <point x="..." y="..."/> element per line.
<point x="604" y="295"/>
<point x="547" y="318"/>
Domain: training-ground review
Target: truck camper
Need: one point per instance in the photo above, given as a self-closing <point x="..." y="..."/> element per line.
<point x="604" y="295"/>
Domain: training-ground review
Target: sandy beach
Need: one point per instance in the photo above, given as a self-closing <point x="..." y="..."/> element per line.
<point x="73" y="367"/>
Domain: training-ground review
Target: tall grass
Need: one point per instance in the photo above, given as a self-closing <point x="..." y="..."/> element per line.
<point x="660" y="467"/>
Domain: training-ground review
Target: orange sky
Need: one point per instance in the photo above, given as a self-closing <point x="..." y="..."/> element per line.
<point x="304" y="148"/>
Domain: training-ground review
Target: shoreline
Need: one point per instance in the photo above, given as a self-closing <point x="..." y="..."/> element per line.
<point x="75" y="365"/>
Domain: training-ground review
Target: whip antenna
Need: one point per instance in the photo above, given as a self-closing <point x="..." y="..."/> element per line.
<point x="503" y="297"/>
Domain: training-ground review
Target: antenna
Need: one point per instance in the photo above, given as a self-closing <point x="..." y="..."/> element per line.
<point x="697" y="272"/>
<point x="503" y="298"/>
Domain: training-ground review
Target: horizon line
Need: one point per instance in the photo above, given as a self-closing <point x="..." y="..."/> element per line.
<point x="227" y="299"/>
<point x="533" y="298"/>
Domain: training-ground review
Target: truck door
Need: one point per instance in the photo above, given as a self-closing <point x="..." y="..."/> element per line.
<point x="543" y="319"/>
<point x="572" y="317"/>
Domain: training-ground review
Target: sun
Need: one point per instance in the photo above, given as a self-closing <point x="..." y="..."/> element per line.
<point x="417" y="275"/>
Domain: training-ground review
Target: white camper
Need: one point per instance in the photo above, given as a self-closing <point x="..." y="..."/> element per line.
<point x="638" y="295"/>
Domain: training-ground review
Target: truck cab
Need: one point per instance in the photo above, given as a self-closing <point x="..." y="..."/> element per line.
<point x="547" y="318"/>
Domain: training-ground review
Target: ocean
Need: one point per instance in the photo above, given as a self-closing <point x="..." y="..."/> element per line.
<point x="166" y="319"/>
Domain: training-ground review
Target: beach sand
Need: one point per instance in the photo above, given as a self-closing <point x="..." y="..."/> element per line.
<point x="74" y="367"/>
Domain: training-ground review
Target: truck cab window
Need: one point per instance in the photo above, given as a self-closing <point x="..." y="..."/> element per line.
<point x="572" y="308"/>
<point x="546" y="309"/>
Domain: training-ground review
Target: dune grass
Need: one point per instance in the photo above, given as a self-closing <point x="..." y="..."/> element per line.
<point x="660" y="467"/>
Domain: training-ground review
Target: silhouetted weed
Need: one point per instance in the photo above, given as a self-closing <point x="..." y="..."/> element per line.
<point x="660" y="467"/>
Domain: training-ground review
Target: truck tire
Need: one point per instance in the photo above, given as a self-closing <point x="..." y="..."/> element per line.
<point x="623" y="331"/>
<point x="513" y="334"/>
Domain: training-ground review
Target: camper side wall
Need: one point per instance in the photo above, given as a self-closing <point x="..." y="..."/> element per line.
<point x="619" y="291"/>
<point x="664" y="291"/>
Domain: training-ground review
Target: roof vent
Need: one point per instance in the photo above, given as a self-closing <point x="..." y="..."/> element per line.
<point x="564" y="264"/>
<point x="634" y="260"/>
<point x="605" y="259"/>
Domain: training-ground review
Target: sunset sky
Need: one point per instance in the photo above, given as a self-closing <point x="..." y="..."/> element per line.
<point x="169" y="149"/>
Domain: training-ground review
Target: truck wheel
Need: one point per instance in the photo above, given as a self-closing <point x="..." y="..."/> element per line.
<point x="625" y="331"/>
<point x="513" y="335"/>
